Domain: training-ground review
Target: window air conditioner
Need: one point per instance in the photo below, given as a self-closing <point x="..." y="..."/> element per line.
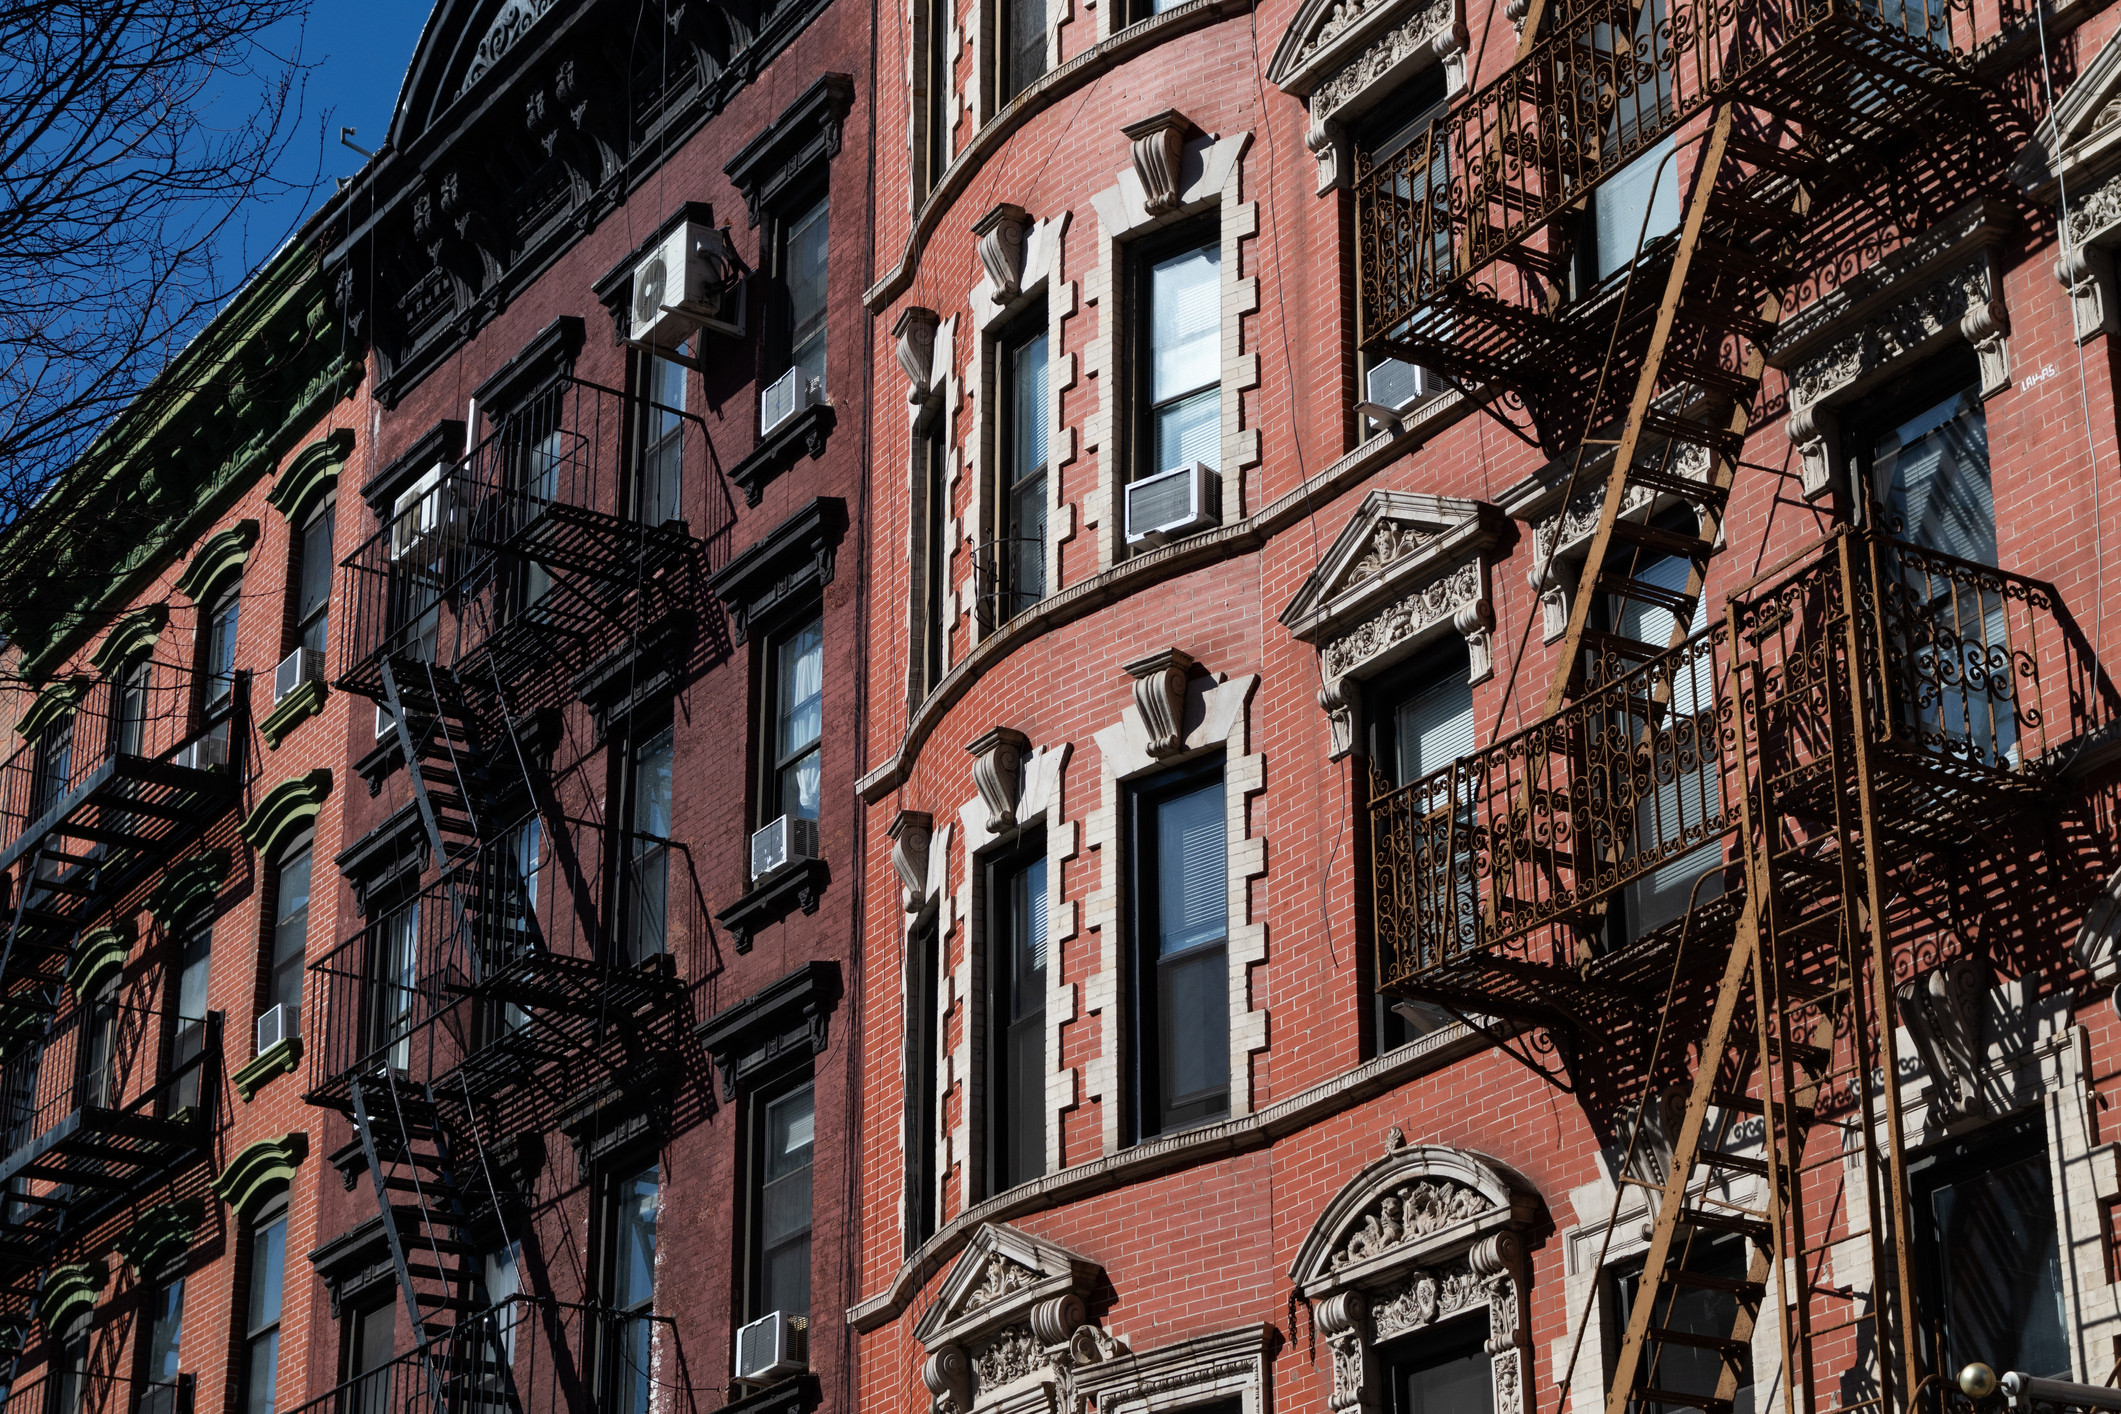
<point x="688" y="282"/>
<point x="203" y="753"/>
<point x="786" y="396"/>
<point x="272" y="1028"/>
<point x="1173" y="503"/>
<point x="302" y="665"/>
<point x="420" y="513"/>
<point x="783" y="842"/>
<point x="769" y="1348"/>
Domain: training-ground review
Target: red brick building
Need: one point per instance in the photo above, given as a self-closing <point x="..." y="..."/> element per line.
<point x="1265" y="366"/>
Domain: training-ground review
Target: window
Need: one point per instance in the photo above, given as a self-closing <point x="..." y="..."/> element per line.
<point x="648" y="850"/>
<point x="98" y="1083"/>
<point x="940" y="82"/>
<point x="313" y="581"/>
<point x="1984" y="1220"/>
<point x="923" y="1079"/>
<point x="55" y="763"/>
<point x="802" y="254"/>
<point x="934" y="453"/>
<point x="1445" y="1369"/>
<point x="1384" y="135"/>
<point x="1021" y="52"/>
<point x="536" y="448"/>
<point x="188" y="1045"/>
<point x="1420" y="721"/>
<point x="290" y="936"/>
<point x="261" y="1341"/>
<point x="1018" y="569"/>
<point x="1640" y="203"/>
<point x="129" y="710"/>
<point x="501" y="1271"/>
<point x="68" y="1387"/>
<point x="1181" y="1012"/>
<point x="784" y="1131"/>
<point x="220" y="649"/>
<point x="795" y="723"/>
<point x="659" y="485"/>
<point x="370" y="1333"/>
<point x="1704" y="1310"/>
<point x="633" y="1200"/>
<point x="394" y="950"/>
<point x="161" y="1365"/>
<point x="1178" y="337"/>
<point x="512" y="927"/>
<point x="1925" y="465"/>
<point x="1135" y="11"/>
<point x="1016" y="1020"/>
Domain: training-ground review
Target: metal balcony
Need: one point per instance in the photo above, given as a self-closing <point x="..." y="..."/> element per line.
<point x="534" y="551"/>
<point x="1933" y="701"/>
<point x="493" y="979"/>
<point x="91" y="1391"/>
<point x="109" y="789"/>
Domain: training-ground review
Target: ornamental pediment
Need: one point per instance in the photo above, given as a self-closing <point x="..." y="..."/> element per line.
<point x="2081" y="143"/>
<point x="1327" y="37"/>
<point x="1396" y="542"/>
<point x="1416" y="1206"/>
<point x="1000" y="1276"/>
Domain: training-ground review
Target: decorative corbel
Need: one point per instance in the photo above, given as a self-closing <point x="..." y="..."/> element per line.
<point x="1158" y="146"/>
<point x="1812" y="430"/>
<point x="1327" y="140"/>
<point x="1498" y="1261"/>
<point x="1054" y="1320"/>
<point x="998" y="771"/>
<point x="1002" y="234"/>
<point x="1342" y="1319"/>
<point x="1160" y="696"/>
<point x="1987" y="326"/>
<point x="1340" y="716"/>
<point x="948" y="1375"/>
<point x="910" y="834"/>
<point x="1554" y="592"/>
<point x="1647" y="1131"/>
<point x="915" y="332"/>
<point x="2087" y="272"/>
<point x="1942" y="1013"/>
<point x="1476" y="623"/>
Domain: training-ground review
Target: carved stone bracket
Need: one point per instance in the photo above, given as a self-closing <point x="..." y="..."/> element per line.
<point x="1001" y="248"/>
<point x="1157" y="144"/>
<point x="910" y="833"/>
<point x="1160" y="696"/>
<point x="998" y="771"/>
<point x="1942" y="1011"/>
<point x="915" y="333"/>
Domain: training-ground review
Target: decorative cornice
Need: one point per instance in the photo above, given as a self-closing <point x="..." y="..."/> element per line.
<point x="54" y="704"/>
<point x="806" y="132"/>
<point x="160" y="1236"/>
<point x="789" y="1014"/>
<point x="98" y="957"/>
<point x="221" y="557"/>
<point x="69" y="1293"/>
<point x="188" y="888"/>
<point x="804" y="432"/>
<point x="797" y="884"/>
<point x="260" y="1173"/>
<point x="783" y="571"/>
<point x="280" y="1058"/>
<point x="548" y="357"/>
<point x="285" y="810"/>
<point x="130" y="638"/>
<point x="310" y="476"/>
<point x="291" y="711"/>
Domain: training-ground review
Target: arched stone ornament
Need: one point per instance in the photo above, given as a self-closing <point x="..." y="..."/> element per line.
<point x="1404" y="571"/>
<point x="1423" y="1235"/>
<point x="1010" y="1329"/>
<point x="1345" y="57"/>
<point x="2077" y="155"/>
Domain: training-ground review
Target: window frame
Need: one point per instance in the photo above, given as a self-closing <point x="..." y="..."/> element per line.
<point x="1010" y="559"/>
<point x="224" y="613"/>
<point x="1200" y="232"/>
<point x="1143" y="1040"/>
<point x="189" y="1036"/>
<point x="649" y="445"/>
<point x="303" y="559"/>
<point x="614" y="1176"/>
<point x="772" y="766"/>
<point x="792" y="209"/>
<point x="759" y="1097"/>
<point x="1001" y="870"/>
<point x="633" y="856"/>
<point x="159" y="1395"/>
<point x="271" y="962"/>
<point x="274" y="1213"/>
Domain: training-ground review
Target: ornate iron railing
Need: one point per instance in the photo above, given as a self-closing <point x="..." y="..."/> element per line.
<point x="1971" y="683"/>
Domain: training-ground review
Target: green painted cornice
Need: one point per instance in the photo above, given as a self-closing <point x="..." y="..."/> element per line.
<point x="285" y="810"/>
<point x="70" y="1293"/>
<point x="310" y="476"/>
<point x="160" y="1235"/>
<point x="188" y="887"/>
<point x="291" y="711"/>
<point x="131" y="637"/>
<point x="219" y="558"/>
<point x="261" y="1173"/>
<point x="52" y="704"/>
<point x="280" y="1058"/>
<point x="98" y="957"/>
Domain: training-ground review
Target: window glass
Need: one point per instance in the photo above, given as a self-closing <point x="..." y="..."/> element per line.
<point x="1687" y="1309"/>
<point x="1026" y="24"/>
<point x="221" y="649"/>
<point x="1184" y="971"/>
<point x="500" y="1270"/>
<point x="368" y="1354"/>
<point x="1422" y="721"/>
<point x="268" y="1270"/>
<point x="636" y="1200"/>
<point x="922" y="1082"/>
<point x="392" y="982"/>
<point x="55" y="762"/>
<point x="1185" y="358"/>
<point x="290" y="934"/>
<point x="1018" y="967"/>
<point x="935" y="452"/>
<point x="799" y="720"/>
<point x="131" y="732"/>
<point x="648" y="877"/>
<point x="1384" y="135"/>
<point x="1024" y="476"/>
<point x="193" y="964"/>
<point x="788" y="1132"/>
<point x="804" y="272"/>
<point x="315" y="594"/>
<point x="1647" y="187"/>
<point x="164" y="1332"/>
<point x="662" y="462"/>
<point x="1932" y="473"/>
<point x="1985" y="1217"/>
<point x="1444" y="1370"/>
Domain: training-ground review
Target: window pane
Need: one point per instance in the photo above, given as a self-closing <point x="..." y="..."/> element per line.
<point x="1190" y="431"/>
<point x="633" y="1240"/>
<point x="1185" y="325"/>
<point x="268" y="1266"/>
<point x="791" y="1130"/>
<point x="1690" y="1310"/>
<point x="1027" y="410"/>
<point x="806" y="292"/>
<point x="1434" y="727"/>
<point x="221" y="650"/>
<point x="2000" y="1269"/>
<point x="801" y="689"/>
<point x="1192" y="995"/>
<point x="1619" y="206"/>
<point x="290" y="937"/>
<point x="788" y="1134"/>
<point x="651" y="788"/>
<point x="1027" y="43"/>
<point x="263" y="1373"/>
<point x="1933" y="471"/>
<point x="1021" y="1148"/>
<point x="165" y="1333"/>
<point x="1443" y="1371"/>
<point x="1192" y="882"/>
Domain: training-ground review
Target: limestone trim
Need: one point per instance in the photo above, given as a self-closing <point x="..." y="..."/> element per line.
<point x="1344" y="57"/>
<point x="1206" y="1370"/>
<point x="1216" y="716"/>
<point x="1011" y="1324"/>
<point x="1404" y="571"/>
<point x="1040" y="803"/>
<point x="1210" y="178"/>
<point x="1945" y="285"/>
<point x="931" y="899"/>
<point x="1421" y="1235"/>
<point x="2075" y="161"/>
<point x="940" y="396"/>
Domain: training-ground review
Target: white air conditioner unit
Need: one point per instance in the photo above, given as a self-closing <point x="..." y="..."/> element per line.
<point x="272" y="1028"/>
<point x="1174" y="503"/>
<point x="770" y="1347"/>
<point x="302" y="665"/>
<point x="419" y="514"/>
<point x="786" y="396"/>
<point x="688" y="282"/>
<point x="782" y="842"/>
<point x="203" y="752"/>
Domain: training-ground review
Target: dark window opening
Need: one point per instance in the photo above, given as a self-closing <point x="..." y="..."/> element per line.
<point x="1176" y="340"/>
<point x="649" y="787"/>
<point x="368" y="1335"/>
<point x="1445" y="1369"/>
<point x="935" y="549"/>
<point x="1180" y="1048"/>
<point x="923" y="1079"/>
<point x="161" y="1357"/>
<point x="1022" y="46"/>
<point x="1693" y="1310"/>
<point x="267" y="1273"/>
<point x="659" y="477"/>
<point x="941" y="95"/>
<point x="783" y="1137"/>
<point x="794" y="722"/>
<point x="1016" y="1017"/>
<point x="1017" y="567"/>
<point x="313" y="578"/>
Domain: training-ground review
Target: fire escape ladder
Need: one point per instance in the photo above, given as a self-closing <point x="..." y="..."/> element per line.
<point x="443" y="782"/>
<point x="420" y="1306"/>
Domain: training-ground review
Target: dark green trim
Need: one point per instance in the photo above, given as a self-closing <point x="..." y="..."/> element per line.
<point x="160" y="1235"/>
<point x="260" y="1173"/>
<point x="219" y="559"/>
<point x="188" y="888"/>
<point x="69" y="1293"/>
<point x="53" y="703"/>
<point x="310" y="476"/>
<point x="98" y="957"/>
<point x="291" y="711"/>
<point x="131" y="637"/>
<point x="287" y="808"/>
<point x="280" y="1058"/>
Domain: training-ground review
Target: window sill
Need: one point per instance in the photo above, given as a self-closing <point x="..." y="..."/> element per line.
<point x="278" y="1059"/>
<point x="796" y="885"/>
<point x="291" y="711"/>
<point x="793" y="1395"/>
<point x="806" y="431"/>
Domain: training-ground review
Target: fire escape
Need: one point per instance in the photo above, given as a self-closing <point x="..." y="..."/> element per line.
<point x="1856" y="732"/>
<point x="101" y="1100"/>
<point x="473" y="1013"/>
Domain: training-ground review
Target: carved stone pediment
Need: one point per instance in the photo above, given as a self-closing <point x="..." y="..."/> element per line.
<point x="2080" y="144"/>
<point x="1343" y="57"/>
<point x="1000" y="1276"/>
<point x="1013" y="1313"/>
